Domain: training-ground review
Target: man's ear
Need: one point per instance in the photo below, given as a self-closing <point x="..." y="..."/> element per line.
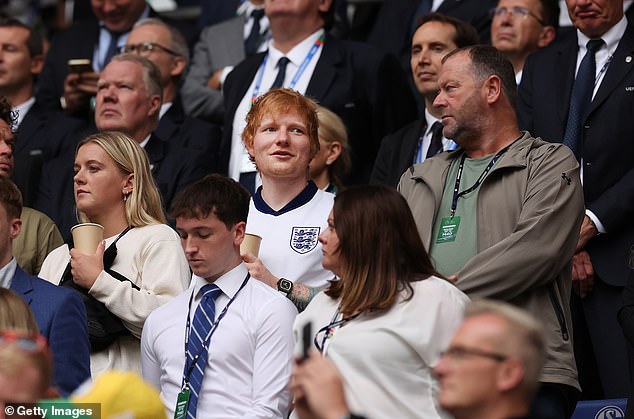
<point x="334" y="151"/>
<point x="37" y="64"/>
<point x="15" y="227"/>
<point x="178" y="66"/>
<point x="238" y="232"/>
<point x="546" y="36"/>
<point x="324" y="5"/>
<point x="493" y="88"/>
<point x="510" y="375"/>
<point x="155" y="105"/>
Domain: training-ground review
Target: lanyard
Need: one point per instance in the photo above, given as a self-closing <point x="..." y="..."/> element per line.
<point x="189" y="366"/>
<point x="456" y="189"/>
<point x="330" y="327"/>
<point x="302" y="67"/>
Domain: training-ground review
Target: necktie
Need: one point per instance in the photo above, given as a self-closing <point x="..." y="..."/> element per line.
<point x="281" y="73"/>
<point x="436" y="139"/>
<point x="112" y="48"/>
<point x="201" y="325"/>
<point x="581" y="96"/>
<point x="253" y="40"/>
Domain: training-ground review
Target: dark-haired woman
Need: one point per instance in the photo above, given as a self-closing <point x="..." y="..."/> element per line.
<point x="388" y="318"/>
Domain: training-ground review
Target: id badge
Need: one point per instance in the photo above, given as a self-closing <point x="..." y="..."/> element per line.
<point x="448" y="229"/>
<point x="180" y="412"/>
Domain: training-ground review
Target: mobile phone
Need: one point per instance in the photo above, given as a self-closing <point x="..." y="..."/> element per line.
<point x="307" y="338"/>
<point x="80" y="65"/>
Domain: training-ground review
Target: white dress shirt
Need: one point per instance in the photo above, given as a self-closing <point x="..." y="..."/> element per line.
<point x="239" y="158"/>
<point x="250" y="353"/>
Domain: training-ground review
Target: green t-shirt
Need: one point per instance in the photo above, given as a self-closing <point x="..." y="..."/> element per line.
<point x="455" y="240"/>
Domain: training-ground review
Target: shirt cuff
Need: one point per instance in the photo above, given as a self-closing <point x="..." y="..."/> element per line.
<point x="596" y="221"/>
<point x="225" y="72"/>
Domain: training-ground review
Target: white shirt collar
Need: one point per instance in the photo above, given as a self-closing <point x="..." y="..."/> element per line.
<point x="7" y="272"/>
<point x="611" y="37"/>
<point x="164" y="108"/>
<point x="229" y="283"/>
<point x="298" y="52"/>
<point x="145" y="141"/>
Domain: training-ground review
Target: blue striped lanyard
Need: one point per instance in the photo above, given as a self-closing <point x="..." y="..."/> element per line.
<point x="302" y="67"/>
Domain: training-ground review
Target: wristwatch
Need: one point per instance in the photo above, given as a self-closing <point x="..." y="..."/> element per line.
<point x="285" y="286"/>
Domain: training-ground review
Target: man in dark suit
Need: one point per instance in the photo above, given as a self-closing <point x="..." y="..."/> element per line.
<point x="362" y="85"/>
<point x="97" y="39"/>
<point x="435" y="36"/>
<point x="129" y="95"/>
<point x="59" y="312"/>
<point x="603" y="143"/>
<point x="42" y="134"/>
<point x="167" y="49"/>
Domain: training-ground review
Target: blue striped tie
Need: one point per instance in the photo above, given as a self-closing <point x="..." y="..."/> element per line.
<point x="201" y="325"/>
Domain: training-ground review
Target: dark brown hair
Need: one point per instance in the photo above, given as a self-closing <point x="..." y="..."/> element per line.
<point x="225" y="197"/>
<point x="380" y="250"/>
<point x="10" y="197"/>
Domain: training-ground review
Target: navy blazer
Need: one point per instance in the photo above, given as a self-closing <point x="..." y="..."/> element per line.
<point x="61" y="317"/>
<point x="607" y="138"/>
<point x="396" y="154"/>
<point x="186" y="131"/>
<point x="42" y="135"/>
<point x="364" y="86"/>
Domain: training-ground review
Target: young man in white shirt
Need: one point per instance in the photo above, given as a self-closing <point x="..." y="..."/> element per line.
<point x="246" y="352"/>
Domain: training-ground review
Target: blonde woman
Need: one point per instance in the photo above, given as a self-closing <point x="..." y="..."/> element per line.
<point x="332" y="161"/>
<point x="113" y="186"/>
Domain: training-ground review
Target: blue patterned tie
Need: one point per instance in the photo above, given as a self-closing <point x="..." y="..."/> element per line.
<point x="253" y="40"/>
<point x="281" y="73"/>
<point x="201" y="325"/>
<point x="581" y="96"/>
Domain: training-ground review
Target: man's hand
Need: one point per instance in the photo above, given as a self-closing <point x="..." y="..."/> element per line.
<point x="588" y="231"/>
<point x="214" y="80"/>
<point x="78" y="89"/>
<point x="258" y="270"/>
<point x="317" y="389"/>
<point x="86" y="268"/>
<point x="582" y="274"/>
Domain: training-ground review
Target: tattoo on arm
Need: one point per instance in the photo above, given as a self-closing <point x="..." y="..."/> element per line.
<point x="301" y="295"/>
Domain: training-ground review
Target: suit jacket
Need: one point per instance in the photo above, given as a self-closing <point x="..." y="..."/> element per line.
<point x="392" y="30"/>
<point x="608" y="148"/>
<point x="362" y="85"/>
<point x="175" y="167"/>
<point x="219" y="46"/>
<point x="186" y="131"/>
<point x="61" y="317"/>
<point x="396" y="154"/>
<point x="42" y="135"/>
<point x="79" y="41"/>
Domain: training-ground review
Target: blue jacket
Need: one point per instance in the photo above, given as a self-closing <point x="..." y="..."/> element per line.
<point x="61" y="318"/>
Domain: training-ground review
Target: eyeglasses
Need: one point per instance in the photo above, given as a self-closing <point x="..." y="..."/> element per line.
<point x="460" y="353"/>
<point x="145" y="48"/>
<point x="31" y="344"/>
<point x="521" y="12"/>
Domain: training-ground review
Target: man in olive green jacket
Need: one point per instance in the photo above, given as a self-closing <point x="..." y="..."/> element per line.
<point x="500" y="216"/>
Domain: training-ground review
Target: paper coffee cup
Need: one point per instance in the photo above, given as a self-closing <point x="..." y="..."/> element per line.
<point x="251" y="244"/>
<point x="86" y="237"/>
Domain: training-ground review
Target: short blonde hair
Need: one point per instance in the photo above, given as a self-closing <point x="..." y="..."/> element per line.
<point x="280" y="101"/>
<point x="332" y="128"/>
<point x="143" y="206"/>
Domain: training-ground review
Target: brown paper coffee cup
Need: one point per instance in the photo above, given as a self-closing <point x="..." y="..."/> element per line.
<point x="251" y="244"/>
<point x="86" y="237"/>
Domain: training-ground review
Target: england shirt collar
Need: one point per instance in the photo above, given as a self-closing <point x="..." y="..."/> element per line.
<point x="303" y="198"/>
